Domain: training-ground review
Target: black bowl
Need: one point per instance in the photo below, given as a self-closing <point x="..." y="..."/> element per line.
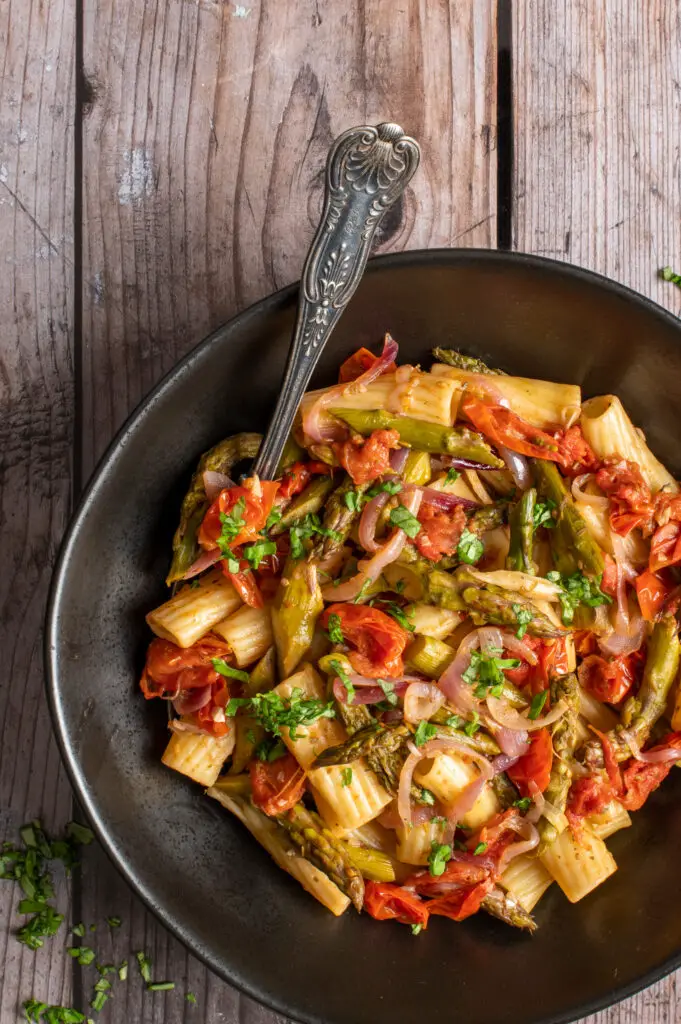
<point x="196" y="867"/>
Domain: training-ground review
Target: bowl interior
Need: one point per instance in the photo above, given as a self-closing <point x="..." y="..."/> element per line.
<point x="199" y="869"/>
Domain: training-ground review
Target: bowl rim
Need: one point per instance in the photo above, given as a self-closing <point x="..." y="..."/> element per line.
<point x="104" y="833"/>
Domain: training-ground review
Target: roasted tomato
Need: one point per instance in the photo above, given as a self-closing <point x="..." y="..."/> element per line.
<point x="376" y="640"/>
<point x="440" y="531"/>
<point x="365" y="460"/>
<point x="631" y="503"/>
<point x="457" y="875"/>
<point x="459" y="905"/>
<point x="386" y="901"/>
<point x="170" y="669"/>
<point x="652" y="591"/>
<point x="576" y="455"/>
<point x="252" y="517"/>
<point x="297" y="477"/>
<point x="552" y="660"/>
<point x="639" y="779"/>
<point x="503" y="427"/>
<point x="610" y="681"/>
<point x="277" y="785"/>
<point x="590" y="795"/>
<point x="245" y="584"/>
<point x="358" y="363"/>
<point x="535" y="765"/>
<point x="665" y="547"/>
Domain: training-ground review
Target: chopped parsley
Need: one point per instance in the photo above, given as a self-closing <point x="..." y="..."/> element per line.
<point x="485" y="672"/>
<point x="470" y="548"/>
<point x="191" y="998"/>
<point x="480" y="849"/>
<point x="399" y="586"/>
<point x="363" y="591"/>
<point x="523" y="616"/>
<point x="79" y="930"/>
<point x="353" y="500"/>
<point x="427" y="797"/>
<point x="537" y="706"/>
<point x="144" y="964"/>
<point x="404" y="519"/>
<point x="452" y="475"/>
<point x="578" y="589"/>
<point x="83" y="954"/>
<point x="542" y="514"/>
<point x="254" y="553"/>
<point x="416" y="929"/>
<point x="270" y="749"/>
<point x="470" y="728"/>
<point x="231" y="525"/>
<point x="389" y="691"/>
<point x="102" y="989"/>
<point x="221" y="666"/>
<point x="123" y="971"/>
<point x="346" y="776"/>
<point x="113" y="922"/>
<point x="399" y="615"/>
<point x="424" y="732"/>
<point x="35" y="1012"/>
<point x="439" y="854"/>
<point x="338" y="668"/>
<point x="305" y="528"/>
<point x="454" y="722"/>
<point x="335" y="632"/>
<point x="667" y="274"/>
<point x="386" y="486"/>
<point x="273" y="518"/>
<point x="523" y="804"/>
<point x="275" y="712"/>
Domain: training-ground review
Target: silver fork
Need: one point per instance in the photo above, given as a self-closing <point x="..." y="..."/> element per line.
<point x="367" y="170"/>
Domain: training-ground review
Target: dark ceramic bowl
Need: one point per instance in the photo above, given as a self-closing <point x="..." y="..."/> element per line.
<point x="195" y="866"/>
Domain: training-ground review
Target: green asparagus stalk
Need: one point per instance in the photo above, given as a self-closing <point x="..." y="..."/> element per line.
<point x="310" y="500"/>
<point x="640" y="713"/>
<point x="502" y="904"/>
<point x="373" y="864"/>
<point x="263" y="676"/>
<point x="488" y="604"/>
<point x="358" y="745"/>
<point x="427" y="437"/>
<point x="489" y="517"/>
<point x="504" y="790"/>
<point x="292" y="453"/>
<point x="297" y="605"/>
<point x="564" y="737"/>
<point x="574" y="547"/>
<point x="521" y="522"/>
<point x="248" y="734"/>
<point x="319" y="845"/>
<point x="234" y="785"/>
<point x="354" y="717"/>
<point x="219" y="459"/>
<point x="451" y="357"/>
<point x="417" y="469"/>
<point x="339" y="517"/>
<point x="441" y="589"/>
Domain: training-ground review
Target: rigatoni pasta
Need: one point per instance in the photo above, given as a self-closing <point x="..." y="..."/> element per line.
<point x="433" y="667"/>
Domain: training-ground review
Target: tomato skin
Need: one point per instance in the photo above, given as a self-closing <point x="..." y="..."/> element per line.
<point x="640" y="779"/>
<point x="631" y="503"/>
<point x="170" y="668"/>
<point x="386" y="901"/>
<point x="297" y="477"/>
<point x="256" y="510"/>
<point x="665" y="547"/>
<point x="357" y="364"/>
<point x="576" y="454"/>
<point x="367" y="459"/>
<point x="457" y="874"/>
<point x="609" y="681"/>
<point x="277" y="785"/>
<point x="440" y="531"/>
<point x="378" y="640"/>
<point x="652" y="591"/>
<point x="503" y="427"/>
<point x="552" y="660"/>
<point x="245" y="584"/>
<point x="590" y="795"/>
<point x="535" y="765"/>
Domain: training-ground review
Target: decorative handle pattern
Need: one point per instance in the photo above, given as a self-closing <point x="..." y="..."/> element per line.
<point x="366" y="172"/>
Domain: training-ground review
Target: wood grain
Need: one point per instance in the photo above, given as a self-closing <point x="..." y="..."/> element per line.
<point x="597" y="137"/>
<point x="204" y="148"/>
<point x="36" y="424"/>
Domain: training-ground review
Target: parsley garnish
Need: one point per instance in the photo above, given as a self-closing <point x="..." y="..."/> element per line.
<point x="334" y="631"/>
<point x="232" y="524"/>
<point x="254" y="553"/>
<point x="35" y="1011"/>
<point x="102" y="989"/>
<point x="427" y="797"/>
<point x="274" y="517"/>
<point x="191" y="998"/>
<point x="454" y="722"/>
<point x="113" y="922"/>
<point x="398" y="614"/>
<point x="353" y="500"/>
<point x="389" y="691"/>
<point x="404" y="519"/>
<point x="387" y="486"/>
<point x="578" y="589"/>
<point x="399" y="586"/>
<point x="470" y="548"/>
<point x="275" y="712"/>
<point x="542" y="514"/>
<point x="123" y="971"/>
<point x="416" y="929"/>
<point x="424" y="732"/>
<point x="364" y="590"/>
<point x="270" y="749"/>
<point x="144" y="964"/>
<point x="523" y="804"/>
<point x="470" y="728"/>
<point x="83" y="954"/>
<point x="537" y="706"/>
<point x="479" y="849"/>
<point x="226" y="670"/>
<point x="523" y="616"/>
<point x="486" y="673"/>
<point x="452" y="475"/>
<point x="309" y="526"/>
<point x="667" y="274"/>
<point x="346" y="776"/>
<point x="338" y="668"/>
<point x="439" y="854"/>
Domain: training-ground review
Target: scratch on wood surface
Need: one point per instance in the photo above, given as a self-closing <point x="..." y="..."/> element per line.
<point x="137" y="180"/>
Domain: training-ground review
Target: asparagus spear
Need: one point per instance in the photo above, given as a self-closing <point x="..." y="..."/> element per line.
<point x="441" y="589"/>
<point x="427" y="437"/>
<point x="219" y="459"/>
<point x="297" y="605"/>
<point x="359" y="744"/>
<point x="373" y="864"/>
<point x="564" y="738"/>
<point x="504" y="790"/>
<point x="263" y="676"/>
<point x="319" y="845"/>
<point x="573" y="546"/>
<point x="353" y="716"/>
<point x="502" y="904"/>
<point x="310" y="500"/>
<point x="451" y="357"/>
<point x="339" y="518"/>
<point x="488" y="603"/>
<point x="489" y="517"/>
<point x="521" y="522"/>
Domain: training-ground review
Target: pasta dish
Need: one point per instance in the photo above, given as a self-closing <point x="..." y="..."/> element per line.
<point x="432" y="667"/>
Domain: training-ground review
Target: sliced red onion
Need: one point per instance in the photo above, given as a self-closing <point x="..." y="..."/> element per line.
<point x="661" y="755"/>
<point x="444" y="500"/>
<point x="502" y="762"/>
<point x="543" y="808"/>
<point x="530" y="841"/>
<point x="512" y="644"/>
<point x="630" y="628"/>
<point x="491" y="639"/>
<point x="190" y="701"/>
<point x="389" y="818"/>
<point x="451" y="682"/>
<point x="366" y="691"/>
<point x="398" y="460"/>
<point x="518" y="467"/>
<point x="369" y="520"/>
<point x="213" y="483"/>
<point x="455" y="463"/>
<point x="512" y="742"/>
<point x="312" y="419"/>
<point x="175" y="725"/>
<point x="443" y="744"/>
<point x="509" y="718"/>
<point x="421" y="701"/>
<point x="203" y="562"/>
<point x="579" y="494"/>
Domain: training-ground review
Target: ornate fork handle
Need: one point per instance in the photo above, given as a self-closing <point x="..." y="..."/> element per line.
<point x="366" y="172"/>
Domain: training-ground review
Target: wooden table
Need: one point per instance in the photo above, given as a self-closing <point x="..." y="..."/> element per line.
<point x="161" y="168"/>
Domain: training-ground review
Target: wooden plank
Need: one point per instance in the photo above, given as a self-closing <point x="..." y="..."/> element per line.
<point x="204" y="147"/>
<point x="597" y="105"/>
<point x="36" y="410"/>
